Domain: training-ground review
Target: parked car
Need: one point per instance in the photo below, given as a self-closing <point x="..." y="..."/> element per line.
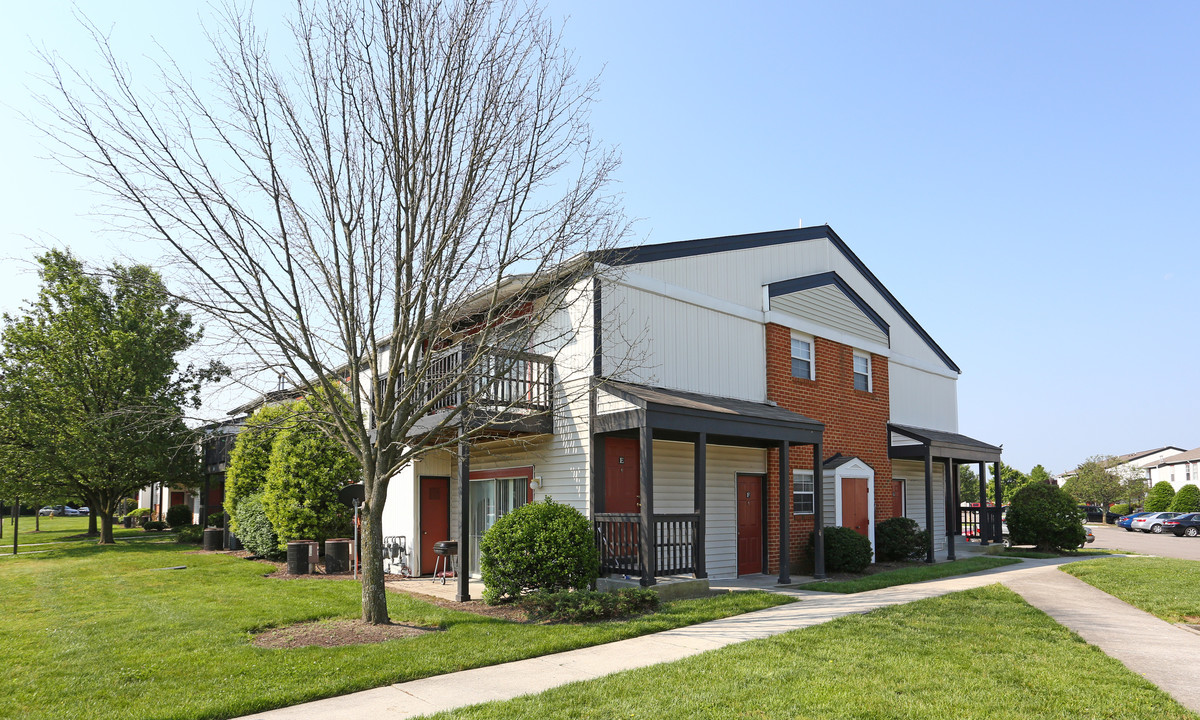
<point x="46" y="511"/>
<point x="1094" y="513"/>
<point x="1125" y="520"/>
<point x="71" y="512"/>
<point x="85" y="510"/>
<point x="1152" y="522"/>
<point x="1183" y="525"/>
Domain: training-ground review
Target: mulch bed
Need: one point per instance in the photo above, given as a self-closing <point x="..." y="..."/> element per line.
<point x="335" y="633"/>
<point x="507" y="611"/>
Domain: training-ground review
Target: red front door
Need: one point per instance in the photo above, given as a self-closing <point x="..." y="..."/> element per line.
<point x="622" y="477"/>
<point x="435" y="518"/>
<point x="749" y="524"/>
<point x="854" y="506"/>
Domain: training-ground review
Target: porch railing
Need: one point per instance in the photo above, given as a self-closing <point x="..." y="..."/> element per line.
<point x="500" y="378"/>
<point x="976" y="523"/>
<point x="618" y="537"/>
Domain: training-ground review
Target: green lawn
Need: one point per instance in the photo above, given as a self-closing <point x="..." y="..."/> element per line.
<point x="1039" y="555"/>
<point x="93" y="632"/>
<point x="1165" y="587"/>
<point x="904" y="576"/>
<point x="982" y="654"/>
<point x="54" y="529"/>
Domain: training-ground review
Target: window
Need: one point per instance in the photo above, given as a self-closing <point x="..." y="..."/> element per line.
<point x="803" y="492"/>
<point x="862" y="372"/>
<point x="802" y="357"/>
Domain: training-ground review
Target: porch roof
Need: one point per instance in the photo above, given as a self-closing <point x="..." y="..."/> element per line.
<point x="725" y="420"/>
<point x="913" y="441"/>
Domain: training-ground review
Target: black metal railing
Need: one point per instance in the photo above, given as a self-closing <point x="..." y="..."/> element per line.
<point x="618" y="537"/>
<point x="980" y="523"/>
<point x="675" y="541"/>
<point x="499" y="379"/>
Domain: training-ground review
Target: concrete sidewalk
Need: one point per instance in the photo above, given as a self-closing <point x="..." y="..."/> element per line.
<point x="1161" y="652"/>
<point x="524" y="677"/>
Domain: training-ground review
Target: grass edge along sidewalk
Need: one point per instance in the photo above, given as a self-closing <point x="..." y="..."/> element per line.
<point x="909" y="661"/>
<point x="1167" y="588"/>
<point x="101" y="632"/>
<point x="904" y="576"/>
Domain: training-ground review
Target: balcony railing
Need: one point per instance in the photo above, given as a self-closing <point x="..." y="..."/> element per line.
<point x="501" y="379"/>
<point x="618" y="536"/>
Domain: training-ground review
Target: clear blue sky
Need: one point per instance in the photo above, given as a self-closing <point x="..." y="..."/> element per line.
<point x="1023" y="176"/>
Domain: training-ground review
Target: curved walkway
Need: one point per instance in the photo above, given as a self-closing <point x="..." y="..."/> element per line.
<point x="1036" y="580"/>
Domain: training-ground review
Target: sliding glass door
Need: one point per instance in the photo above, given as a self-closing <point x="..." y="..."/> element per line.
<point x="491" y="499"/>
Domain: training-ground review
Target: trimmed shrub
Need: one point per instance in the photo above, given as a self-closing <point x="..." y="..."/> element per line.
<point x="1119" y="509"/>
<point x="179" y="515"/>
<point x="1187" y="500"/>
<point x="1045" y="516"/>
<point x="539" y="546"/>
<point x="216" y="518"/>
<point x="189" y="534"/>
<point x="588" y="605"/>
<point x="307" y="470"/>
<point x="139" y="516"/>
<point x="900" y="538"/>
<point x="251" y="454"/>
<point x="155" y="525"/>
<point x="1160" y="497"/>
<point x="845" y="550"/>
<point x="254" y="529"/>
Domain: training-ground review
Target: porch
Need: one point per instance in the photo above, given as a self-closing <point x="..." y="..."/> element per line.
<point x="635" y="540"/>
<point x="951" y="450"/>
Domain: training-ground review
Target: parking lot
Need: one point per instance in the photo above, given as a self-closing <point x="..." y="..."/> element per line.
<point x="1165" y="545"/>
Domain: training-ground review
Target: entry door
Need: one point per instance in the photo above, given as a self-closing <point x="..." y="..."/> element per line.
<point x="435" y="518"/>
<point x="622" y="477"/>
<point x="854" y="505"/>
<point x="749" y="525"/>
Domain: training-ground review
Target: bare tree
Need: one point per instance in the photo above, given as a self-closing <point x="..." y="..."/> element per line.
<point x="397" y="184"/>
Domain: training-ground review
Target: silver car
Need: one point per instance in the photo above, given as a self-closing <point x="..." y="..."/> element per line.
<point x="1152" y="523"/>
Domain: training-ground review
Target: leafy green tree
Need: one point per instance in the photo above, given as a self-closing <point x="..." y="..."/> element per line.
<point x="1159" y="497"/>
<point x="91" y="393"/>
<point x="251" y="455"/>
<point x="1011" y="480"/>
<point x="1045" y="516"/>
<point x="968" y="484"/>
<point x="1187" y="500"/>
<point x="1134" y="484"/>
<point x="1095" y="483"/>
<point x="1039" y="474"/>
<point x="308" y="468"/>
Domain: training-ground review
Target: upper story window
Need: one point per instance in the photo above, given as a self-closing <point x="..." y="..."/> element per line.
<point x="802" y="357"/>
<point x="862" y="372"/>
<point x="803" y="492"/>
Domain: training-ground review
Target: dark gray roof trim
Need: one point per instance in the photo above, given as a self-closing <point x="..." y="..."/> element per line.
<point x="837" y="460"/>
<point x="689" y="248"/>
<point x="808" y="282"/>
<point x="942" y="444"/>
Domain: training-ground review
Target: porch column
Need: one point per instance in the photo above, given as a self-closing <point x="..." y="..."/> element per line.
<point x="648" y="564"/>
<point x="699" y="494"/>
<point x="785" y="515"/>
<point x="204" y="503"/>
<point x="983" y="536"/>
<point x="464" y="522"/>
<point x="951" y="510"/>
<point x="818" y="514"/>
<point x="597" y="503"/>
<point x="957" y="501"/>
<point x="929" y="503"/>
<point x="999" y="531"/>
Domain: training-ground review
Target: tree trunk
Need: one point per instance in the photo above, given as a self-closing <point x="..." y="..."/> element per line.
<point x="374" y="594"/>
<point x="94" y="508"/>
<point x="106" y="506"/>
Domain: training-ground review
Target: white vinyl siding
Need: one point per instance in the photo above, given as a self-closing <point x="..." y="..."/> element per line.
<point x="913" y="473"/>
<point x="828" y="305"/>
<point x="673" y="484"/>
<point x="922" y="399"/>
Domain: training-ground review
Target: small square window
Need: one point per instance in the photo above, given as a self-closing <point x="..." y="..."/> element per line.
<point x="803" y="492"/>
<point x="862" y="372"/>
<point x="802" y="365"/>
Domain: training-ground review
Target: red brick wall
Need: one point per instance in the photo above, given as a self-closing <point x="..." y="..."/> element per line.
<point x="855" y="424"/>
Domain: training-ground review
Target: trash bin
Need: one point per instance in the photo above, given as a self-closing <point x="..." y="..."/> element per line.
<point x="337" y="555"/>
<point x="298" y="557"/>
<point x="212" y="538"/>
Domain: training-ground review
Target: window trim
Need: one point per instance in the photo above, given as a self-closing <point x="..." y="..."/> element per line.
<point x="854" y="373"/>
<point x="797" y="494"/>
<point x="811" y="359"/>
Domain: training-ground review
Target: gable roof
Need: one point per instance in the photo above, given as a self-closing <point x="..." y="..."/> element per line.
<point x="1183" y="457"/>
<point x="834" y="282"/>
<point x="690" y="248"/>
<point x="1130" y="457"/>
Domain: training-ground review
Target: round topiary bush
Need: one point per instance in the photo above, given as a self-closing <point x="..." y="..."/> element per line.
<point x="179" y="515"/>
<point x="1119" y="509"/>
<point x="1160" y="497"/>
<point x="1045" y="516"/>
<point x="254" y="529"/>
<point x="192" y="534"/>
<point x="845" y="550"/>
<point x="539" y="546"/>
<point x="900" y="538"/>
<point x="1187" y="500"/>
